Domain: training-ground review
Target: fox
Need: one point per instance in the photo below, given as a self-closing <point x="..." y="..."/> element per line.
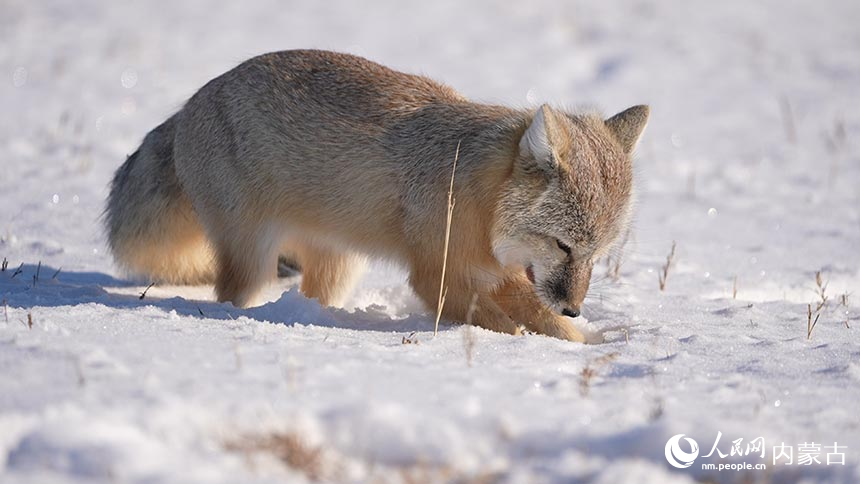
<point x="329" y="160"/>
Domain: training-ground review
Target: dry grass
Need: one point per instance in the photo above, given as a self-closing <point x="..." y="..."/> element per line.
<point x="835" y="140"/>
<point x="19" y="270"/>
<point x="735" y="288"/>
<point x="442" y="289"/>
<point x="38" y="272"/>
<point x="843" y="301"/>
<point x="664" y="273"/>
<point x="4" y="265"/>
<point x="143" y="294"/>
<point x="810" y="323"/>
<point x="320" y="464"/>
<point x="79" y="371"/>
<point x="788" y="123"/>
<point x="424" y="473"/>
<point x="290" y="449"/>
<point x="410" y="340"/>
<point x="657" y="409"/>
<point x="838" y="138"/>
<point x="468" y="335"/>
<point x="591" y="369"/>
<point x="820" y="304"/>
<point x="820" y="291"/>
<point x="614" y="261"/>
<point x="468" y="343"/>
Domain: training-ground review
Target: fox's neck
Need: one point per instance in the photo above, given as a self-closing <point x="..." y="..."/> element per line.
<point x="488" y="139"/>
<point x="483" y="138"/>
<point x="493" y="138"/>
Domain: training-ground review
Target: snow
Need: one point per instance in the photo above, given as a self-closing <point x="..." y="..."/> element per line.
<point x="750" y="165"/>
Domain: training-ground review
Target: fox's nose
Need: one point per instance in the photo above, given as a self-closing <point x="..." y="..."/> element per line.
<point x="570" y="312"/>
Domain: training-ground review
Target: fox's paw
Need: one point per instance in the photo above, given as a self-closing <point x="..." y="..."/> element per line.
<point x="593" y="338"/>
<point x="563" y="328"/>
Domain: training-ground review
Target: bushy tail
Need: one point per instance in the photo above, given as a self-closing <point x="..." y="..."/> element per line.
<point x="152" y="228"/>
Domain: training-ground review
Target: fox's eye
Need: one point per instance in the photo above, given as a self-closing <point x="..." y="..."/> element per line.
<point x="563" y="246"/>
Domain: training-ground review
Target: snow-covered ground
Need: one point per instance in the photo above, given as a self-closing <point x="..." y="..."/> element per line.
<point x="750" y="165"/>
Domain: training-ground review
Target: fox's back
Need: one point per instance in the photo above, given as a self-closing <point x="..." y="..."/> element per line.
<point x="326" y="138"/>
<point x="343" y="85"/>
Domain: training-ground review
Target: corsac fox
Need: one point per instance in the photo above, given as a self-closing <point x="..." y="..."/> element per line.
<point x="330" y="158"/>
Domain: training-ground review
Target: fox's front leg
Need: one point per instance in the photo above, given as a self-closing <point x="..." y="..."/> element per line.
<point x="517" y="297"/>
<point x="481" y="310"/>
<point x="464" y="301"/>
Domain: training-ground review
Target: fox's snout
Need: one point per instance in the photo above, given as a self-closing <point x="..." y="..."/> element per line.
<point x="571" y="312"/>
<point x="565" y="288"/>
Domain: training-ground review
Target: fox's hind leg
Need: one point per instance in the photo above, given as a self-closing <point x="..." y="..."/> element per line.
<point x="328" y="274"/>
<point x="247" y="260"/>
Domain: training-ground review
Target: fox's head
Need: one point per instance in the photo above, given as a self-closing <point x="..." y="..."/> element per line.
<point x="568" y="198"/>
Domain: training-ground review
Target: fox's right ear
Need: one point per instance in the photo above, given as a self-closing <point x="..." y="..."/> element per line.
<point x="628" y="125"/>
<point x="536" y="142"/>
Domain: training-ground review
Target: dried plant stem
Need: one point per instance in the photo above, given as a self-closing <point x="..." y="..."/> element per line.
<point x="591" y="369"/>
<point x="613" y="264"/>
<point x="293" y="451"/>
<point x="443" y="291"/>
<point x="38" y="272"/>
<point x="468" y="343"/>
<point x="143" y="294"/>
<point x="810" y="323"/>
<point x="468" y="336"/>
<point x="787" y="119"/>
<point x="821" y="291"/>
<point x="664" y="274"/>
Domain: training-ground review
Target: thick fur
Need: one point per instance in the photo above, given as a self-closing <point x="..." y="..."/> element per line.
<point x="151" y="226"/>
<point x="330" y="158"/>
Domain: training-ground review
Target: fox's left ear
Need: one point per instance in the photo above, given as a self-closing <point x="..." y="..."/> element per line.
<point x="538" y="140"/>
<point x="627" y="126"/>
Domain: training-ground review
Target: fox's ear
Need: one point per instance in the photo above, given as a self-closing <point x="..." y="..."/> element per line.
<point x="536" y="141"/>
<point x="627" y="126"/>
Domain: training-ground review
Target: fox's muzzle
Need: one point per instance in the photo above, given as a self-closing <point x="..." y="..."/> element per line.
<point x="567" y="287"/>
<point x="570" y="312"/>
